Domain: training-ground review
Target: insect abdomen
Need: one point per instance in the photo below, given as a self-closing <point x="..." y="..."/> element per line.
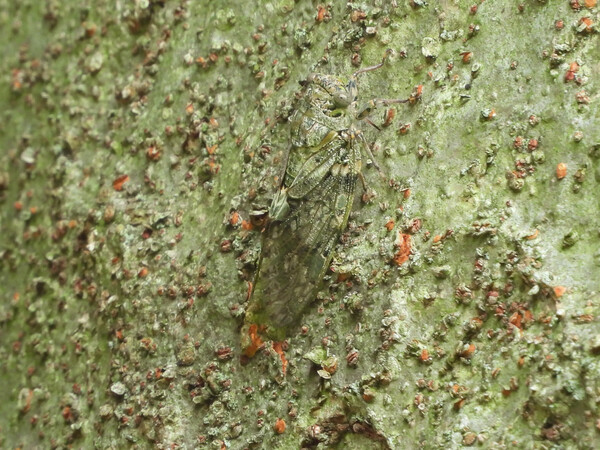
<point x="298" y="248"/>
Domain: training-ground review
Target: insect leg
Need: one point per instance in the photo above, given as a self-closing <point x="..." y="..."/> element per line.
<point x="366" y="119"/>
<point x="376" y="103"/>
<point x="363" y="181"/>
<point x="282" y="171"/>
<point x="368" y="192"/>
<point x="369" y="153"/>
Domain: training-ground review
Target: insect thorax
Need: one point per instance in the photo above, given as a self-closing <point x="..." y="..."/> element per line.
<point x="328" y="105"/>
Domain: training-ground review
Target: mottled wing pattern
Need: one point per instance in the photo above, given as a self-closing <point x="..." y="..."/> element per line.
<point x="311" y="210"/>
<point x="297" y="250"/>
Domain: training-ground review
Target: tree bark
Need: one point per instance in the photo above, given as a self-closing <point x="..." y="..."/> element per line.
<point x="142" y="143"/>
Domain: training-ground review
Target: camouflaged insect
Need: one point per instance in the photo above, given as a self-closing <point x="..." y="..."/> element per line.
<point x="311" y="209"/>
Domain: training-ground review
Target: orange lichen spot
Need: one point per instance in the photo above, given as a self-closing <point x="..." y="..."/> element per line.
<point x="278" y="347"/>
<point x="143" y="272"/>
<point x="583" y="318"/>
<point x="247" y="225"/>
<point x="368" y="397"/>
<point x="532" y="235"/>
<point x="119" y="182"/>
<point x="234" y="218"/>
<point x="33" y="210"/>
<point x="518" y="142"/>
<point x="521" y="361"/>
<point x="476" y="322"/>
<point x="559" y="291"/>
<point x="573" y="69"/>
<point x="515" y="319"/>
<point x="214" y="123"/>
<point x="416" y="95"/>
<point x="424" y="355"/>
<point x="72" y="223"/>
<point x="587" y="22"/>
<point x="357" y="15"/>
<point x="389" y="116"/>
<point x="189" y="109"/>
<point x="256" y="341"/>
<point x="153" y="153"/>
<point x="279" y="426"/>
<point x="212" y="149"/>
<point x="213" y="166"/>
<point x="249" y="290"/>
<point x="404" y="128"/>
<point x="321" y="13"/>
<point x="437" y="238"/>
<point x="330" y="366"/>
<point x="16" y="83"/>
<point x="459" y="404"/>
<point x="466" y="57"/>
<point x="27" y="402"/>
<point x="404" y="248"/>
<point x="18" y="205"/>
<point x="532" y="144"/>
<point x="506" y="392"/>
<point x="67" y="414"/>
<point x="590" y="3"/>
<point x="561" y="171"/>
<point x="343" y="276"/>
<point x="468" y="351"/>
<point x="119" y="335"/>
<point x="201" y="61"/>
<point x="16" y="346"/>
<point x="390" y="225"/>
<point x="406" y="194"/>
<point x="90" y="29"/>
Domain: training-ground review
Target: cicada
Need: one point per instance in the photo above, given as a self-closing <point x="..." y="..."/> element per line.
<point x="311" y="208"/>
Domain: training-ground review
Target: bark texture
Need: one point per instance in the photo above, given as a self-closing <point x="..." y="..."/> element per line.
<point x="139" y="142"/>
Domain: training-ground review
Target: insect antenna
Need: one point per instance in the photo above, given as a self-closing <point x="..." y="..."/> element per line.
<point x="389" y="101"/>
<point x="386" y="55"/>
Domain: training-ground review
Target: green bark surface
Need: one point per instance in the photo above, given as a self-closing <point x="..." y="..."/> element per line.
<point x="139" y="138"/>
